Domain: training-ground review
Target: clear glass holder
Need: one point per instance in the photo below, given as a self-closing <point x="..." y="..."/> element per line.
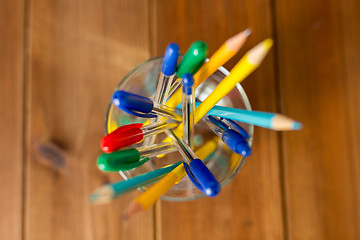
<point x="223" y="163"/>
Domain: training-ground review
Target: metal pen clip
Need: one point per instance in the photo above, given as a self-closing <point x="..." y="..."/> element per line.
<point x="139" y="114"/>
<point x="191" y="177"/>
<point x="238" y="128"/>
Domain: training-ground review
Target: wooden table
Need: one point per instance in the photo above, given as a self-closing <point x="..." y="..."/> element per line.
<point x="60" y="61"/>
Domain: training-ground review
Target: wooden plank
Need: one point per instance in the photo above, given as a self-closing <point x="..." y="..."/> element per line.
<point x="318" y="46"/>
<point x="11" y="120"/>
<point x="79" y="52"/>
<point x="250" y="207"/>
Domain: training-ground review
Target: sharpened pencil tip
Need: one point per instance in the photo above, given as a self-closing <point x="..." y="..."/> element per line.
<point x="125" y="217"/>
<point x="267" y="43"/>
<point x="297" y="126"/>
<point x="247" y="32"/>
<point x="235" y="42"/>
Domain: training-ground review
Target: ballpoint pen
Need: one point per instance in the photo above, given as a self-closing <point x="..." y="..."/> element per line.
<point x="188" y="109"/>
<point x="234" y="140"/>
<point x="143" y="107"/>
<point x="167" y="73"/>
<point x="274" y="121"/>
<point x="190" y="63"/>
<point x="131" y="158"/>
<point x="132" y="133"/>
<point x="166" y="77"/>
<point x="197" y="171"/>
<point x="151" y="195"/>
<point x="247" y="64"/>
<point x="107" y="192"/>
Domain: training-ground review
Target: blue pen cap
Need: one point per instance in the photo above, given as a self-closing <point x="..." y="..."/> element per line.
<point x="208" y="183"/>
<point x="236" y="142"/>
<point x="129" y="101"/>
<point x="170" y="59"/>
<point x="187" y="83"/>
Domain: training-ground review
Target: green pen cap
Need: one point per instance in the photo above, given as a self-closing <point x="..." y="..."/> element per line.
<point x="193" y="59"/>
<point x="116" y="161"/>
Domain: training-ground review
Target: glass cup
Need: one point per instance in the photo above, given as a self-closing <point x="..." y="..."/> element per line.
<point x="223" y="163"/>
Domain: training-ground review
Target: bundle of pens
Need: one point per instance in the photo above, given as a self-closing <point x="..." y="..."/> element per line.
<point x="174" y="111"/>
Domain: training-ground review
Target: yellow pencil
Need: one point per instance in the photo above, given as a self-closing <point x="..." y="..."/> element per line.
<point x="247" y="64"/>
<point x="219" y="58"/>
<point x="149" y="197"/>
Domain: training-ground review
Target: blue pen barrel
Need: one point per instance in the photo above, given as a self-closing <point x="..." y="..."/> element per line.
<point x="209" y="185"/>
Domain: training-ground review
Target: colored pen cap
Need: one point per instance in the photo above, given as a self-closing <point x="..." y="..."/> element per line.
<point x="193" y="58"/>
<point x="133" y="103"/>
<point x="170" y="59"/>
<point x="202" y="178"/>
<point x="187" y="83"/>
<point x="123" y="136"/>
<point x="119" y="160"/>
<point x="236" y="142"/>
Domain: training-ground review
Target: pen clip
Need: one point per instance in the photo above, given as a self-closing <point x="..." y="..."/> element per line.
<point x="129" y="126"/>
<point x="218" y="122"/>
<point x="129" y="166"/>
<point x="191" y="176"/>
<point x="138" y="114"/>
<point x="202" y="178"/>
<point x="238" y="127"/>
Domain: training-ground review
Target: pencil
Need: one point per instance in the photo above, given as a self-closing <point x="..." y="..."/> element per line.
<point x="273" y="121"/>
<point x="149" y="197"/>
<point x="108" y="192"/>
<point x="226" y="51"/>
<point x="240" y="71"/>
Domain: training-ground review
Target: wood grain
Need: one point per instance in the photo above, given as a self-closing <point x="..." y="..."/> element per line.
<point x="318" y="70"/>
<point x="61" y="60"/>
<point x="11" y="118"/>
<point x="79" y="51"/>
<point x="250" y="207"/>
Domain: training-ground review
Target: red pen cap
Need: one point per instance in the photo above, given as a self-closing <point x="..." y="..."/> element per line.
<point x="123" y="136"/>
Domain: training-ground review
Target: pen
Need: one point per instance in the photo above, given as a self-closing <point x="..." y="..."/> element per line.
<point x="219" y="58"/>
<point x="132" y="133"/>
<point x="274" y="121"/>
<point x="233" y="139"/>
<point x="188" y="109"/>
<point x="143" y="107"/>
<point x="197" y="171"/>
<point x="190" y="63"/>
<point x="167" y="74"/>
<point x="107" y="192"/>
<point x="247" y="64"/>
<point x="131" y="158"/>
<point x="166" y="77"/>
<point x="151" y="195"/>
